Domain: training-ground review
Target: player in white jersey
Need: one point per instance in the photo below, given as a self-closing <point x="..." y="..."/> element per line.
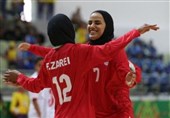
<point x="49" y="102"/>
<point x="42" y="103"/>
<point x="37" y="104"/>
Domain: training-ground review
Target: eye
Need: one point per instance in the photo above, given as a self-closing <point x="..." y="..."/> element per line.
<point x="97" y="22"/>
<point x="90" y="22"/>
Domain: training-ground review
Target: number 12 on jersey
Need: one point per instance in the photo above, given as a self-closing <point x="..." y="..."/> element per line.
<point x="62" y="93"/>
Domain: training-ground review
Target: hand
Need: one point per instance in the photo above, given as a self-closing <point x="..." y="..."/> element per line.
<point x="130" y="79"/>
<point x="11" y="84"/>
<point x="146" y="28"/>
<point x="10" y="77"/>
<point x="24" y="46"/>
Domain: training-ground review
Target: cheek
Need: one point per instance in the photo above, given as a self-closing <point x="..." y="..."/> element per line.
<point x="102" y="29"/>
<point x="100" y="33"/>
<point x="88" y="28"/>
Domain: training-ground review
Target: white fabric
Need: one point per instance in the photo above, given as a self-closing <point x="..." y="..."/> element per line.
<point x="50" y="102"/>
<point x="132" y="67"/>
<point x="45" y="101"/>
<point x="41" y="102"/>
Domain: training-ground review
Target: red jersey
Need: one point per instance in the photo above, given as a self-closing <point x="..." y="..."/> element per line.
<point x="114" y="73"/>
<point x="65" y="73"/>
<point x="102" y="102"/>
<point x="117" y="89"/>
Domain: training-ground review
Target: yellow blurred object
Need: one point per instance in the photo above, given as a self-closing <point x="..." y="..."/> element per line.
<point x="12" y="55"/>
<point x="19" y="103"/>
<point x="47" y="1"/>
<point x="12" y="44"/>
<point x="81" y="35"/>
<point x="12" y="52"/>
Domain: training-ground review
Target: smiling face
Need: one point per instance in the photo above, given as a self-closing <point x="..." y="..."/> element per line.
<point x="96" y="26"/>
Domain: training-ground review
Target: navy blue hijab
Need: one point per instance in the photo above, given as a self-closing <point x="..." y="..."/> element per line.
<point x="60" y="30"/>
<point x="108" y="33"/>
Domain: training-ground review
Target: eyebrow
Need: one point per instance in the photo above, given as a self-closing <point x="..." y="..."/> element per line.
<point x="95" y="20"/>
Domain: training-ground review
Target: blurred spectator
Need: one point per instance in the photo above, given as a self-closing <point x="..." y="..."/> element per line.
<point x="76" y="18"/>
<point x="45" y="7"/>
<point x="16" y="30"/>
<point x="19" y="104"/>
<point x="11" y="54"/>
<point x="9" y="33"/>
<point x="40" y="39"/>
<point x="81" y="34"/>
<point x="3" y="108"/>
<point x="19" y="35"/>
<point x="3" y="8"/>
<point x="167" y="69"/>
<point x="164" y="82"/>
<point x="152" y="49"/>
<point x="1" y="27"/>
<point x="31" y="36"/>
<point x="26" y="59"/>
<point x="17" y="7"/>
<point x="154" y="71"/>
<point x="80" y="26"/>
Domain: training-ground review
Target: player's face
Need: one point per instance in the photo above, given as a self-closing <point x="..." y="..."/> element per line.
<point x="96" y="26"/>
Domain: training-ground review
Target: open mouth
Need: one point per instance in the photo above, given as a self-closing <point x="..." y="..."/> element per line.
<point x="92" y="32"/>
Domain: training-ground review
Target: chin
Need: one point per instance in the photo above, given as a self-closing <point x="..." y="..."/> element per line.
<point x="93" y="38"/>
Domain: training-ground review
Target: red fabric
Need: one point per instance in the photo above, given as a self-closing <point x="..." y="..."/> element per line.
<point x="64" y="71"/>
<point x="117" y="89"/>
<point x="39" y="50"/>
<point x="112" y="72"/>
<point x="113" y="101"/>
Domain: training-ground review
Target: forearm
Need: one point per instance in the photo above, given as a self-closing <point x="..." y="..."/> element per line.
<point x="39" y="50"/>
<point x="29" y="84"/>
<point x="37" y="108"/>
<point x="122" y="41"/>
<point x="107" y="52"/>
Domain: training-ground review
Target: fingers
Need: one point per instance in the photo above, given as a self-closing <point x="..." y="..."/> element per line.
<point x="21" y="47"/>
<point x="153" y="27"/>
<point x="24" y="46"/>
<point x="147" y="27"/>
<point x="11" y="83"/>
<point x="6" y="76"/>
<point x="134" y="75"/>
<point x="131" y="83"/>
<point x="130" y="79"/>
<point x="10" y="76"/>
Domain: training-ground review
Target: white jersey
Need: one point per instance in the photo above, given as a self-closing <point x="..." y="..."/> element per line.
<point x="50" y="102"/>
<point x="45" y="101"/>
<point x="41" y="102"/>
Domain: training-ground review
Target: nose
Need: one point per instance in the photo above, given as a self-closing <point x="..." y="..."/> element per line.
<point x="92" y="26"/>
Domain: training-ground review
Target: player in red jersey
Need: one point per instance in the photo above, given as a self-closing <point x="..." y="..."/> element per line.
<point x="102" y="103"/>
<point x="63" y="71"/>
<point x="112" y="77"/>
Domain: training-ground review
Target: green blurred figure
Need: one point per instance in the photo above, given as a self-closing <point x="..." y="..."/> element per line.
<point x="3" y="108"/>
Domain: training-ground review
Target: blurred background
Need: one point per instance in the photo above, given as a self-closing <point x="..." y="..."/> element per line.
<point x="26" y="21"/>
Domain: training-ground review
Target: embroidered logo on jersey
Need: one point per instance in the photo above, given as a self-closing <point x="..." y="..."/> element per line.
<point x="106" y="63"/>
